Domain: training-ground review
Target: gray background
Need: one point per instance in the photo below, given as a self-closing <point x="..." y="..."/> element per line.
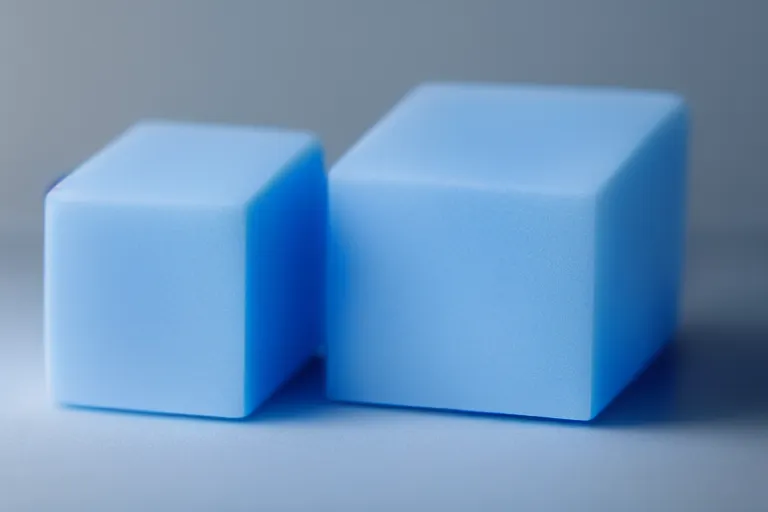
<point x="74" y="73"/>
<point x="691" y="434"/>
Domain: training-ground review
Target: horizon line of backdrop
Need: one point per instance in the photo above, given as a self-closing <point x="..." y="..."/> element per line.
<point x="75" y="74"/>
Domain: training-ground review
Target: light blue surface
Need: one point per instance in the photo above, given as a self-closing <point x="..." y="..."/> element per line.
<point x="184" y="269"/>
<point x="506" y="249"/>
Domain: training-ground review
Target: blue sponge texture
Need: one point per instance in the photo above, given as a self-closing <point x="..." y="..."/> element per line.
<point x="507" y="249"/>
<point x="184" y="269"/>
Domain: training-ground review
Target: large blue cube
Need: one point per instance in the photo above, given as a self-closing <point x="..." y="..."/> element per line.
<point x="506" y="249"/>
<point x="184" y="269"/>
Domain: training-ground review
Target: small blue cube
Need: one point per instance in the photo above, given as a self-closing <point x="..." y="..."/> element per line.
<point x="507" y="249"/>
<point x="184" y="269"/>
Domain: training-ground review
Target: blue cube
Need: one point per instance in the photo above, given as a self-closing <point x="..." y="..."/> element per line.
<point x="184" y="269"/>
<point x="506" y="249"/>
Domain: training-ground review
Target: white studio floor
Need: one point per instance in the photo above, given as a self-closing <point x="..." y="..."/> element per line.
<point x="690" y="434"/>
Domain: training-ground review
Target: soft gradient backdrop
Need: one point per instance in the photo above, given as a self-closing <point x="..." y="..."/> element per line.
<point x="74" y="73"/>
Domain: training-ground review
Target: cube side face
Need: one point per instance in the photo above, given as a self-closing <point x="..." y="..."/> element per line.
<point x="640" y="258"/>
<point x="465" y="299"/>
<point x="144" y="307"/>
<point x="285" y="275"/>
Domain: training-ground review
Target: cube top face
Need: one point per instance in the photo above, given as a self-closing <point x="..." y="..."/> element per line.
<point x="168" y="163"/>
<point x="551" y="140"/>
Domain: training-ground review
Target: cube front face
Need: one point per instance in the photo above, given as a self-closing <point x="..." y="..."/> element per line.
<point x="145" y="306"/>
<point x="453" y="298"/>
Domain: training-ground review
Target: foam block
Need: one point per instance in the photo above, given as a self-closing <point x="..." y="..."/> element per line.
<point x="184" y="269"/>
<point x="506" y="249"/>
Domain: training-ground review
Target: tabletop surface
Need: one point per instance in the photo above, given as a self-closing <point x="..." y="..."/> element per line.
<point x="690" y="434"/>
